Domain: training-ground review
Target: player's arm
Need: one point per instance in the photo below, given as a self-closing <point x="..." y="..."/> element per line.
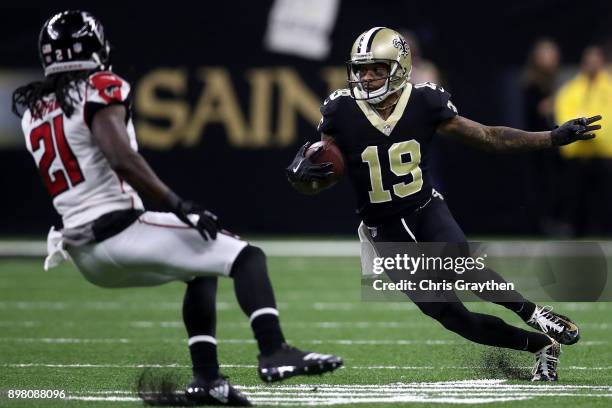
<point x="506" y="139"/>
<point x="110" y="134"/>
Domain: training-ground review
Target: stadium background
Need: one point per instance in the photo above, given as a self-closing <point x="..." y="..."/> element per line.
<point x="186" y="61"/>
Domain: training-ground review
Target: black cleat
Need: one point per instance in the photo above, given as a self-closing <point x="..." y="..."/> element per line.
<point x="557" y="326"/>
<point x="217" y="392"/>
<point x="290" y="361"/>
<point x="545" y="368"/>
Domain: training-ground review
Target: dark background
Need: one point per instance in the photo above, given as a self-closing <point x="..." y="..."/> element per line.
<point x="479" y="47"/>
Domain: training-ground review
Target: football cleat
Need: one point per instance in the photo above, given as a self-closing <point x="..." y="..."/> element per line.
<point x="557" y="326"/>
<point x="217" y="392"/>
<point x="545" y="368"/>
<point x="289" y="361"/>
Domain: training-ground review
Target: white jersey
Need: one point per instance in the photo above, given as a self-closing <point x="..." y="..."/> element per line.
<point x="73" y="168"/>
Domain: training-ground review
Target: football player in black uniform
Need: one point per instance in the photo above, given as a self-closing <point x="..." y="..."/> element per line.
<point x="383" y="125"/>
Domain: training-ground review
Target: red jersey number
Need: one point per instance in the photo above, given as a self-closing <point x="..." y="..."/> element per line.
<point x="53" y="140"/>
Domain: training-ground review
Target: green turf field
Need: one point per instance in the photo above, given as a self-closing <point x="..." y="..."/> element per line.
<point x="58" y="332"/>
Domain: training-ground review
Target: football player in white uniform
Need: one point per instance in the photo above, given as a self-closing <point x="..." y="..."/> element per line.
<point x="78" y="128"/>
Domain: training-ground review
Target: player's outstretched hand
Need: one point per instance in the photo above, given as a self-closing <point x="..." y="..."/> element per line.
<point x="303" y="169"/>
<point x="573" y="130"/>
<point x="195" y="216"/>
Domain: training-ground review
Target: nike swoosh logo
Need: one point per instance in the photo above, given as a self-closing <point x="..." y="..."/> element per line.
<point x="297" y="166"/>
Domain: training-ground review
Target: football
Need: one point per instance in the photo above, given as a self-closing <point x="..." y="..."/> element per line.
<point x="329" y="154"/>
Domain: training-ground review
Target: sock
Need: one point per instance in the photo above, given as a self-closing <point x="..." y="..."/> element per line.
<point x="199" y="316"/>
<point x="256" y="298"/>
<point x="511" y="300"/>
<point x="536" y="342"/>
<point x="267" y="331"/>
<point x="204" y="358"/>
<point x="524" y="309"/>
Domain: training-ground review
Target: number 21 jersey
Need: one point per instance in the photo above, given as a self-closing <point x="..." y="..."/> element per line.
<point x="76" y="173"/>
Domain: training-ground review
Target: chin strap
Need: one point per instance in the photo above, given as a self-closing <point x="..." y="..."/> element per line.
<point x="375" y="104"/>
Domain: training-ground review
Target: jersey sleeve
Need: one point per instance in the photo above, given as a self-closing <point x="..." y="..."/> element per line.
<point x="329" y="112"/>
<point x="439" y="102"/>
<point x="105" y="89"/>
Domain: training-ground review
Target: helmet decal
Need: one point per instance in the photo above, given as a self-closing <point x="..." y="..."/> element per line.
<point x="401" y="45"/>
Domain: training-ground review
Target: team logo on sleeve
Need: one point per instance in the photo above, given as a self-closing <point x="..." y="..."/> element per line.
<point x="401" y="45"/>
<point x="108" y="86"/>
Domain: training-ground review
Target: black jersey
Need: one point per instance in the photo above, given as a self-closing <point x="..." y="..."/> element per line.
<point x="387" y="159"/>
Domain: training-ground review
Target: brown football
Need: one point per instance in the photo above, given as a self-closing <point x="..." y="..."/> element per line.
<point x="329" y="154"/>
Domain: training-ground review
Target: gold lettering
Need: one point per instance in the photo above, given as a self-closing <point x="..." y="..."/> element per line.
<point x="149" y="106"/>
<point x="217" y="103"/>
<point x="294" y="97"/>
<point x="335" y="78"/>
<point x="261" y="81"/>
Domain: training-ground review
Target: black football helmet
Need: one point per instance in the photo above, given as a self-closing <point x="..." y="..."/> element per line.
<point x="73" y="41"/>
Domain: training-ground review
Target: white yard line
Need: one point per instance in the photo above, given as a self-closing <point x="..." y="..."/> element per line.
<point x="356" y="305"/>
<point x="344" y="342"/>
<point x="451" y="392"/>
<point x="356" y="367"/>
<point x="325" y="325"/>
<point x="306" y="248"/>
<point x="332" y="248"/>
<point x="221" y="306"/>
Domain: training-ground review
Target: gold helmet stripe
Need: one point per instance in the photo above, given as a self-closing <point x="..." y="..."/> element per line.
<point x="368" y="37"/>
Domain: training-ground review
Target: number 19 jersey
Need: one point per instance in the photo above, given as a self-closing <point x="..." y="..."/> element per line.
<point x="76" y="173"/>
<point x="387" y="160"/>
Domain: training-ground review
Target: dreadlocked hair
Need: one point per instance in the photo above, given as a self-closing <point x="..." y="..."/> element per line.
<point x="31" y="96"/>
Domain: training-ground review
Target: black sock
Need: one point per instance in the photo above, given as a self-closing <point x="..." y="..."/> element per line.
<point x="511" y="300"/>
<point x="204" y="360"/>
<point x="536" y="342"/>
<point x="199" y="315"/>
<point x="482" y="328"/>
<point x="256" y="298"/>
<point x="268" y="334"/>
<point x="524" y="309"/>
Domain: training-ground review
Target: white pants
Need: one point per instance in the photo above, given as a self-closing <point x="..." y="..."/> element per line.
<point x="155" y="249"/>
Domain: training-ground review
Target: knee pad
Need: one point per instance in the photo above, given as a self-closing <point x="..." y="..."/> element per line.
<point x="251" y="258"/>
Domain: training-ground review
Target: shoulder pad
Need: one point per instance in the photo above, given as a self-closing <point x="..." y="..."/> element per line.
<point x="332" y="101"/>
<point x="108" y="88"/>
<point x="329" y="110"/>
<point x="337" y="94"/>
<point x="437" y="100"/>
<point x="430" y="85"/>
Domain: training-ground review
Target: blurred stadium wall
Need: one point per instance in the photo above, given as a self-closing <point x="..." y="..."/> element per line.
<point x="225" y="92"/>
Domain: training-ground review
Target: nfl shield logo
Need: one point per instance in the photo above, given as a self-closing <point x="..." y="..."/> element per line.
<point x="78" y="47"/>
<point x="387" y="130"/>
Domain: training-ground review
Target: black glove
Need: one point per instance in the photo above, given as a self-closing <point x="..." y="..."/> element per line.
<point x="573" y="130"/>
<point x="207" y="223"/>
<point x="302" y="169"/>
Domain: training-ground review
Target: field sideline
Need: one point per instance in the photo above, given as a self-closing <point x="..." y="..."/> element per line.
<point x="59" y="332"/>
